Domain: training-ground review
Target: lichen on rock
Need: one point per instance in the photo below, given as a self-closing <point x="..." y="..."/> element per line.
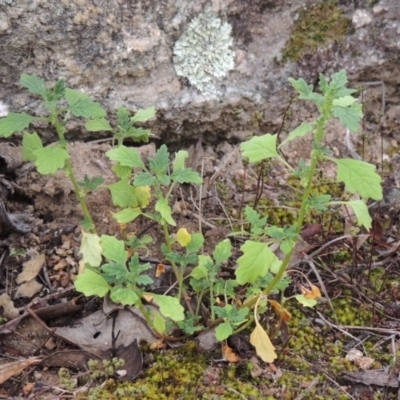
<point x="204" y="51"/>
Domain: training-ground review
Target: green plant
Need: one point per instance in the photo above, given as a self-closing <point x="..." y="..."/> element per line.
<point x="113" y="266"/>
<point x="359" y="177"/>
<point x="122" y="276"/>
<point x="61" y="104"/>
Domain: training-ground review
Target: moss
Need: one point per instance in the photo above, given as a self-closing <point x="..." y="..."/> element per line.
<point x="286" y="216"/>
<point x="178" y="374"/>
<point x="316" y="26"/>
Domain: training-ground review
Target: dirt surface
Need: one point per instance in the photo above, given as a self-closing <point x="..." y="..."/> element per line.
<point x="52" y="331"/>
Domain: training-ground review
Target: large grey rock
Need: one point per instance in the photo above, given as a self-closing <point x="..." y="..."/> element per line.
<point x="122" y="52"/>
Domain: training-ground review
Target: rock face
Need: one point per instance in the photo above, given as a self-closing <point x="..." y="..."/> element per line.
<point x="123" y="52"/>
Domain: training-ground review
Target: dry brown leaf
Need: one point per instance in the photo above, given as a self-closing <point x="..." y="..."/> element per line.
<point x="311" y="231"/>
<point x="14" y="368"/>
<point x="148" y="297"/>
<point x="28" y="387"/>
<point x="364" y="362"/>
<point x="229" y="354"/>
<point x="281" y="311"/>
<point x="28" y="289"/>
<point x="361" y="239"/>
<point x="7" y="304"/>
<point x="31" y="269"/>
<point x="312" y="294"/>
<point x="158" y="345"/>
<point x="160" y="270"/>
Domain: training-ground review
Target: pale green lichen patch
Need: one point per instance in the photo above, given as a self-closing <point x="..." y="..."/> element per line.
<point x="204" y="52"/>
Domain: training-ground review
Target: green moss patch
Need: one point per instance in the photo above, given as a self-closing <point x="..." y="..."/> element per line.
<point x="316" y="26"/>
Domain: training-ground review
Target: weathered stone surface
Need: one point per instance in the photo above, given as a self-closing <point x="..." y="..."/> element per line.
<point x="121" y="52"/>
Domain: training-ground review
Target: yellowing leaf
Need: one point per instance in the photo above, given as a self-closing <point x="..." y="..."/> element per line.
<point x="91" y="249"/>
<point x="280" y="310"/>
<point x="183" y="237"/>
<point x="143" y="196"/>
<point x="260" y="340"/>
<point x="312" y="294"/>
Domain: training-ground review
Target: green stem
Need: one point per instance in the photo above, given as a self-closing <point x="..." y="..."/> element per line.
<point x="178" y="275"/>
<point x="245" y="325"/>
<point x="146" y="315"/>
<point x="212" y="300"/>
<point x="198" y="305"/>
<point x="299" y="224"/>
<point x="60" y="129"/>
<point x="82" y="201"/>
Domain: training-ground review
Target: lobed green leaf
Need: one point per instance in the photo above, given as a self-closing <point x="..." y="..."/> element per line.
<point x="196" y="243"/>
<point x="301" y="86"/>
<point x="350" y="117"/>
<point x="126" y="156"/>
<point x="300" y="131"/>
<point x="98" y="124"/>
<point x="223" y="331"/>
<point x="170" y="307"/>
<point x="50" y="159"/>
<point x="361" y="212"/>
<point x="186" y="175"/>
<point x="179" y="160"/>
<point x="81" y="105"/>
<point x="127" y="215"/>
<point x="144" y="179"/>
<point x="143" y="115"/>
<point x="14" y="122"/>
<point x="359" y="177"/>
<point x="30" y="143"/>
<point x="260" y="148"/>
<point x="159" y="164"/>
<point x="115" y="273"/>
<point x="124" y="295"/>
<point x="199" y="272"/>
<point x="123" y="194"/>
<point x="34" y="84"/>
<point x="344" y="101"/>
<point x="91" y="283"/>
<point x="91" y="249"/>
<point x="165" y="211"/>
<point x="222" y="252"/>
<point x="114" y="249"/>
<point x="255" y="262"/>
